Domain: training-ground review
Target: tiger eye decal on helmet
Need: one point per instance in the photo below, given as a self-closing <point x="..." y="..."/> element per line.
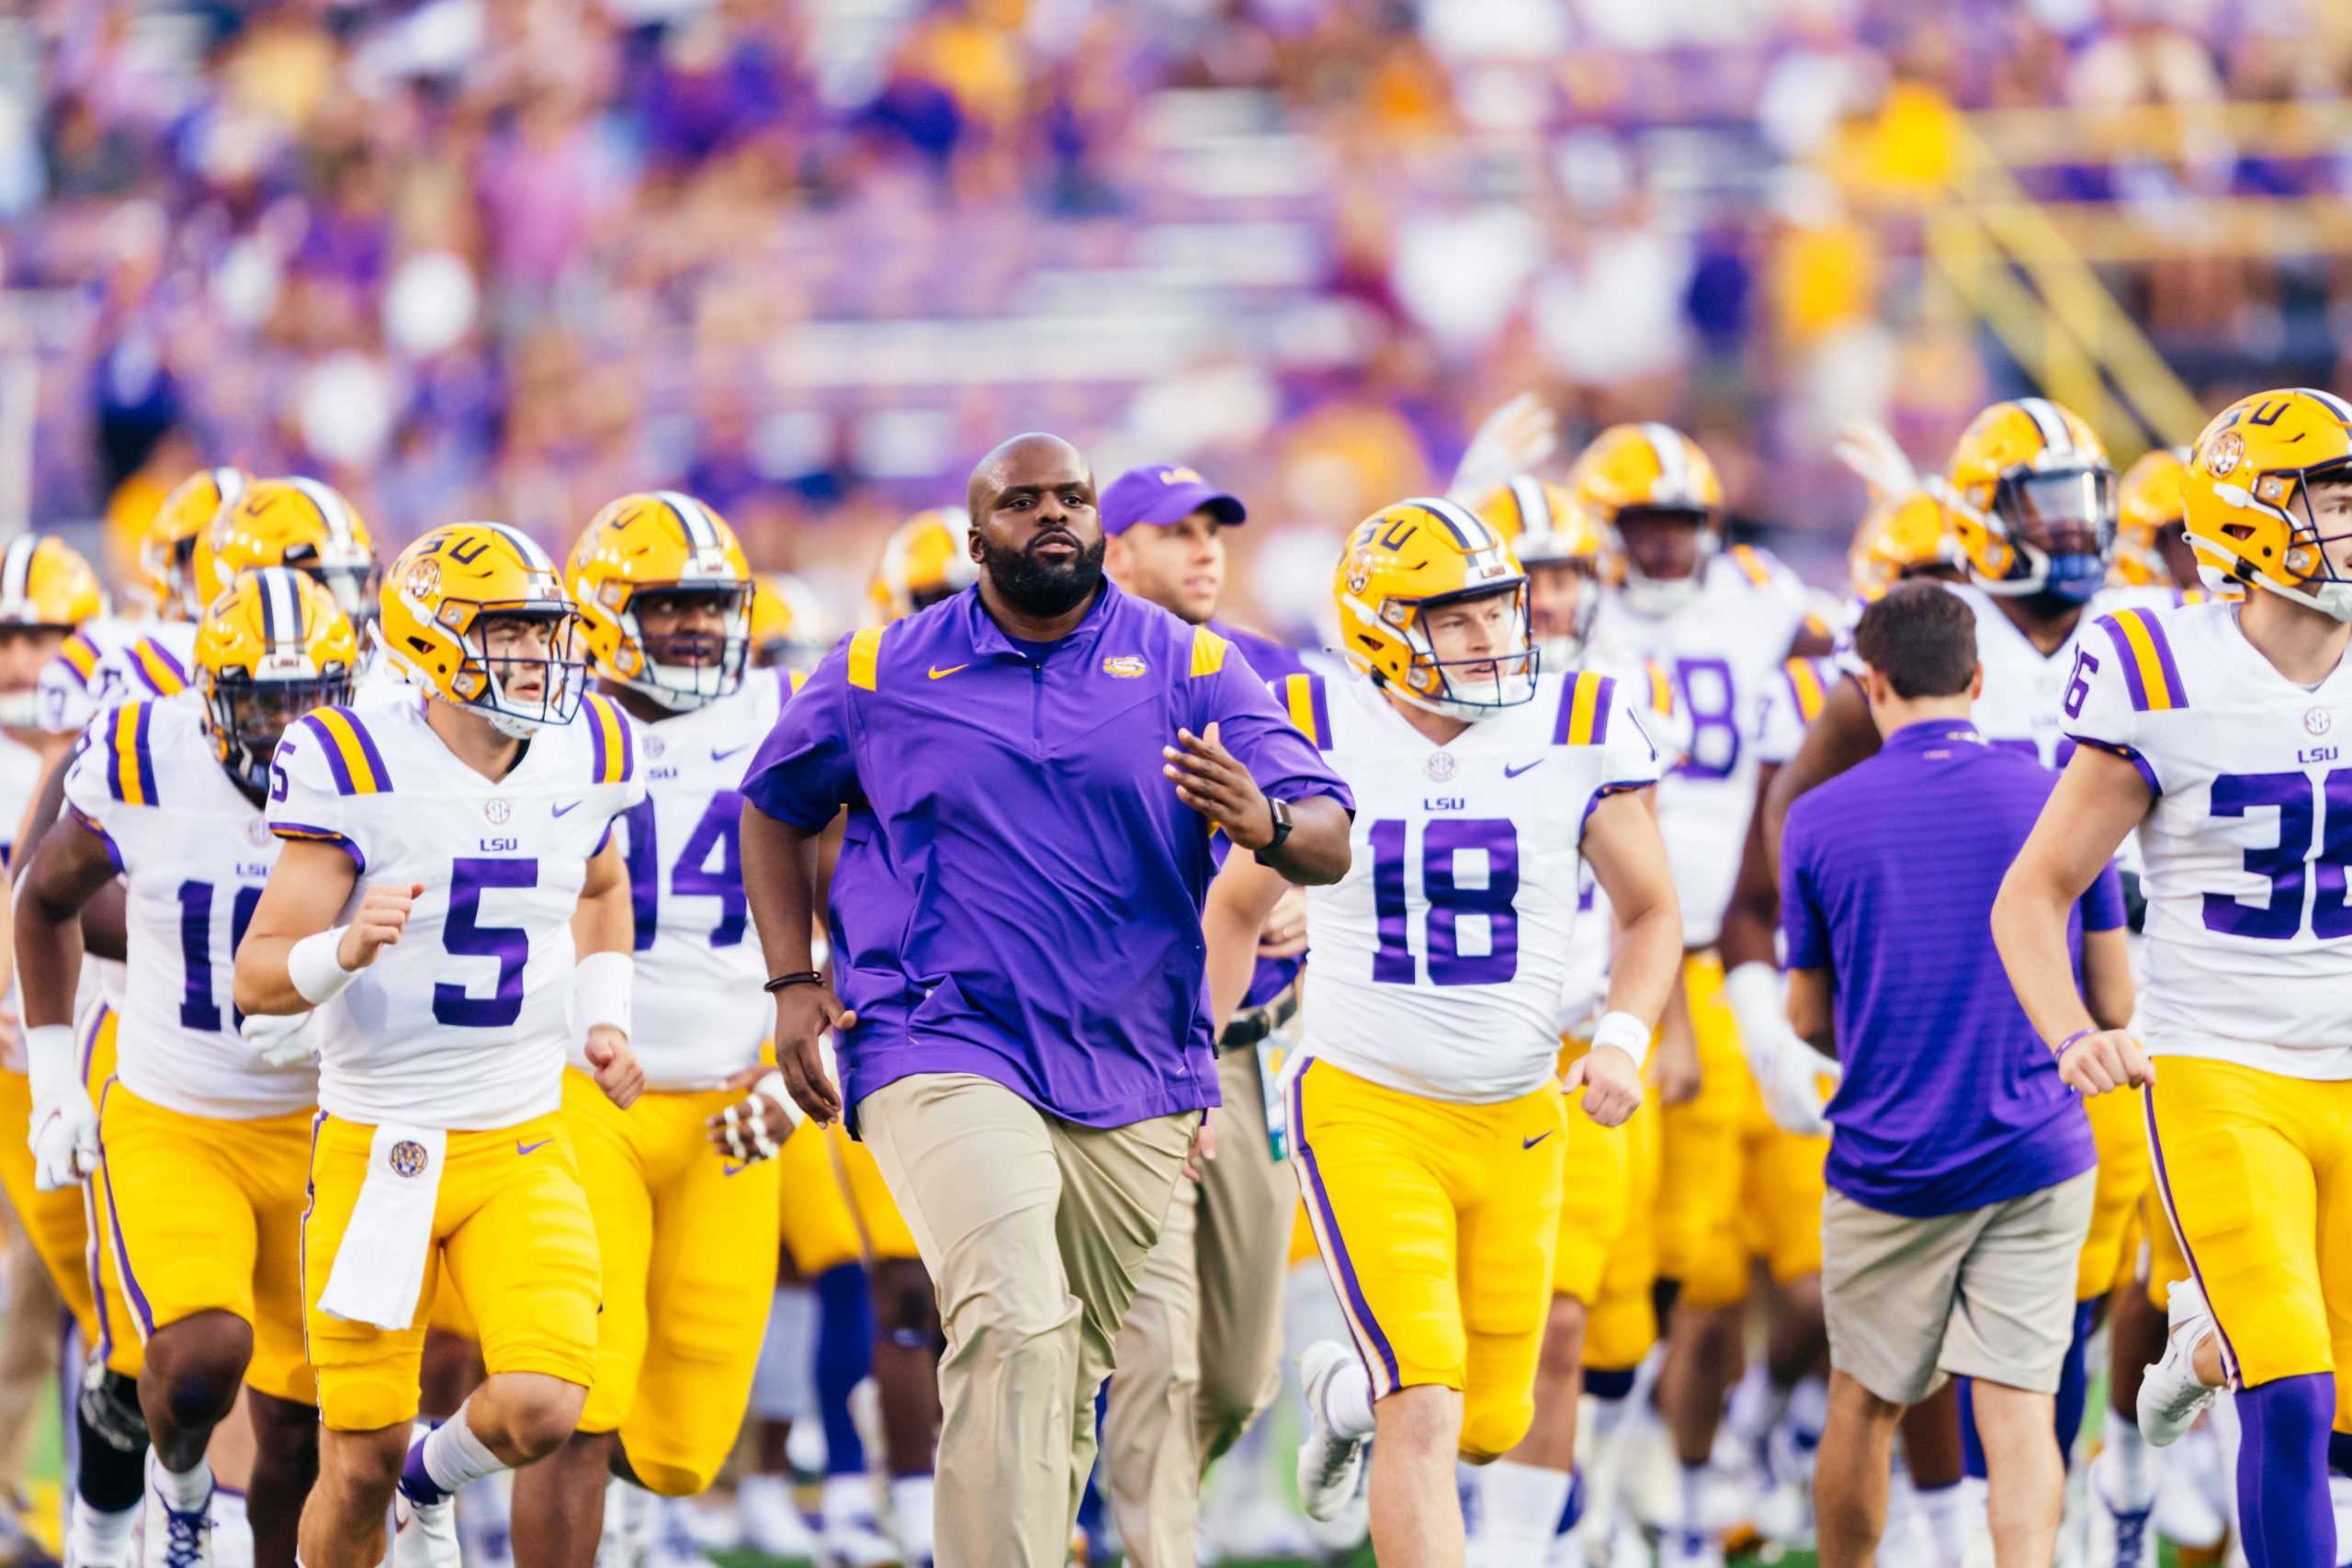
<point x="1402" y="562"/>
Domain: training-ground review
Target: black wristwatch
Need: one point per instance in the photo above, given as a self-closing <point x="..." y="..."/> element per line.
<point x="1279" y="811"/>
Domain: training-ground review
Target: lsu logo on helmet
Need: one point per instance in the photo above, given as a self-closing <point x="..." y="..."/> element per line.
<point x="1404" y="562"/>
<point x="2246" y="494"/>
<point x="664" y="555"/>
<point x="476" y="613"/>
<point x="270" y="650"/>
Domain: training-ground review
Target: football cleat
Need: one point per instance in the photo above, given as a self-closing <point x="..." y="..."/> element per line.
<point x="425" y="1535"/>
<point x="2120" y="1538"/>
<point x="170" y="1537"/>
<point x="1331" y="1466"/>
<point x="2171" y="1395"/>
<point x="773" y="1524"/>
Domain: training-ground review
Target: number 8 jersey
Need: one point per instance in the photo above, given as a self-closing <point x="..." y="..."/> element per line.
<point x="1439" y="958"/>
<point x="2249" y="930"/>
<point x="461" y="1024"/>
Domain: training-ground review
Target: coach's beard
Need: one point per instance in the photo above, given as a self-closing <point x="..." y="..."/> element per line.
<point x="1040" y="588"/>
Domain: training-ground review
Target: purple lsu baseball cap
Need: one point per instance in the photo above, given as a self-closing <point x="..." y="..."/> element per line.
<point x="1162" y="493"/>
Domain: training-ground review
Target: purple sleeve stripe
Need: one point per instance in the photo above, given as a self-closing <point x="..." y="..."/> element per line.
<point x="1379" y="1355"/>
<point x="629" y="746"/>
<point x="1605" y="791"/>
<point x="2155" y="627"/>
<point x="160" y="651"/>
<point x="2129" y="661"/>
<point x="336" y="766"/>
<point x="321" y="836"/>
<point x="368" y="749"/>
<point x="114" y="851"/>
<point x="596" y="770"/>
<point x="146" y="757"/>
<point x="2116" y="748"/>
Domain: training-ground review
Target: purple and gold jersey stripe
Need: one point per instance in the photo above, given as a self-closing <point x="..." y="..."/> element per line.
<point x="1661" y="688"/>
<point x="321" y="836"/>
<point x="358" y="768"/>
<point x="612" y="750"/>
<point x="865" y="652"/>
<point x="2149" y="671"/>
<point x="131" y="767"/>
<point x="1304" y="699"/>
<point x="79" y="654"/>
<point x="1805" y="687"/>
<point x="157" y="668"/>
<point x="1584" y="710"/>
<point x="1209" y="651"/>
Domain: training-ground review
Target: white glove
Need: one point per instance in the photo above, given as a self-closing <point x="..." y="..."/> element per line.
<point x="745" y="1123"/>
<point x="1869" y="450"/>
<point x="1788" y="1070"/>
<point x="65" y="1128"/>
<point x="281" y="1040"/>
<point x="1513" y="439"/>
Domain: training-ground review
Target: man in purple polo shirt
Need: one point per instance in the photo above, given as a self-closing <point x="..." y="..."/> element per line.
<point x="1959" y="1167"/>
<point x="1030" y="769"/>
<point x="1201" y="1353"/>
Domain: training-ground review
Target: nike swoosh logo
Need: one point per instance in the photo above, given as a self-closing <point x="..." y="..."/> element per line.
<point x="1531" y="1142"/>
<point x="523" y="1148"/>
<point x="937" y="674"/>
<point x="718" y="756"/>
<point x="563" y="810"/>
<point x="1511" y="772"/>
<point x="733" y="1170"/>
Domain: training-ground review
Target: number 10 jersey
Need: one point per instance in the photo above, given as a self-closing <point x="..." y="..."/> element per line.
<point x="461" y="1024"/>
<point x="2249" y="929"/>
<point x="1438" y="960"/>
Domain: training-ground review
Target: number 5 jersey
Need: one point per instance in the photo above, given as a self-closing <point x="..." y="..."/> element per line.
<point x="461" y="1024"/>
<point x="1440" y="957"/>
<point x="2249" y="928"/>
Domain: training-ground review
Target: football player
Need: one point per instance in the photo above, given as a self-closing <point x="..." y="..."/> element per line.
<point x="789" y="626"/>
<point x="925" y="560"/>
<point x="2208" y="729"/>
<point x="2031" y="499"/>
<point x="167" y="551"/>
<point x="682" y="1183"/>
<point x="489" y="941"/>
<point x="1426" y="1115"/>
<point x="2152" y="548"/>
<point x="1721" y="620"/>
<point x="201" y="1142"/>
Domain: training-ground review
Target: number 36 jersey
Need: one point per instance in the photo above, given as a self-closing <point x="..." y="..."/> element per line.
<point x="194" y="854"/>
<point x="1439" y="959"/>
<point x="460" y="1024"/>
<point x="2249" y="930"/>
<point x="700" y="1013"/>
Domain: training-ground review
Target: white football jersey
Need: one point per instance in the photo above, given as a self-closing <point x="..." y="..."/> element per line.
<point x="700" y="1014"/>
<point x="194" y="852"/>
<point x="2024" y="687"/>
<point x="461" y="1023"/>
<point x="2249" y="929"/>
<point x="1788" y="702"/>
<point x="89" y="673"/>
<point x="1721" y="648"/>
<point x="1441" y="957"/>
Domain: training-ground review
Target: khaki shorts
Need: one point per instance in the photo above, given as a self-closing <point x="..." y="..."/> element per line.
<point x="1984" y="1294"/>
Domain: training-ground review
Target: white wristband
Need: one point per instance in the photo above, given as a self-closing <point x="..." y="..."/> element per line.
<point x="1625" y="1032"/>
<point x="50" y="1059"/>
<point x="603" y="985"/>
<point x="316" y="968"/>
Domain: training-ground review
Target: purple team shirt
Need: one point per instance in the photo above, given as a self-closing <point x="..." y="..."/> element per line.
<point x="1272" y="660"/>
<point x="1950" y="1100"/>
<point x="1019" y="890"/>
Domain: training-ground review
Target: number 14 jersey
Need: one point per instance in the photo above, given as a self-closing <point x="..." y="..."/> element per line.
<point x="2249" y="930"/>
<point x="1439" y="958"/>
<point x="460" y="1025"/>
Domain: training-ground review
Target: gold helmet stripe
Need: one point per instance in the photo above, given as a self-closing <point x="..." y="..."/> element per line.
<point x="17" y="569"/>
<point x="2050" y="422"/>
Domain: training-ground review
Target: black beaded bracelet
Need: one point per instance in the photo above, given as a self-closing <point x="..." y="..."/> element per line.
<point x="797" y="978"/>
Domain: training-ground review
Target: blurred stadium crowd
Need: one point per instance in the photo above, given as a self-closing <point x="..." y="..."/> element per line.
<point x="509" y="258"/>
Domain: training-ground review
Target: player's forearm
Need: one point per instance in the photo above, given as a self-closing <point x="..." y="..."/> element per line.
<point x="1645" y="972"/>
<point x="47" y="950"/>
<point x="605" y="920"/>
<point x="2029" y="933"/>
<point x="262" y="983"/>
<point x="1812" y="1009"/>
<point x="1746" y="933"/>
<point x="1238" y="902"/>
<point x="779" y="887"/>
<point x="1316" y="852"/>
<point x="2107" y="978"/>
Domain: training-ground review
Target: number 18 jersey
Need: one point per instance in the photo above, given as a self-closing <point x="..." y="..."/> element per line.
<point x="2249" y="929"/>
<point x="1439" y="959"/>
<point x="461" y="1024"/>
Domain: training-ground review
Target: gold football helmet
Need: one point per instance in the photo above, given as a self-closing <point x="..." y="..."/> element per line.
<point x="44" y="581"/>
<point x="270" y="650"/>
<point x="292" y="522"/>
<point x="1909" y="537"/>
<point x="663" y="553"/>
<point x="441" y="602"/>
<point x="2247" y="495"/>
<point x="167" y="551"/>
<point x="2147" y="502"/>
<point x="1404" y="561"/>
<point x="2032" y="500"/>
<point x="926" y="559"/>
<point x="788" y="623"/>
<point x="1563" y="554"/>
<point x="1638" y="473"/>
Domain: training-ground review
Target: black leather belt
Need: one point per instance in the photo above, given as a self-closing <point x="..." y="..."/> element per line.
<point x="1248" y="1027"/>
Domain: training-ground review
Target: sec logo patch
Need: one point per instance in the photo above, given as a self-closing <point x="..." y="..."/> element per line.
<point x="496" y="809"/>
<point x="2317" y="721"/>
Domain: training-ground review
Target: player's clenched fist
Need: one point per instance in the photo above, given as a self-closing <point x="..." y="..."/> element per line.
<point x="2105" y="1059"/>
<point x="377" y="922"/>
<point x="1611" y="1085"/>
<point x="618" y="1072"/>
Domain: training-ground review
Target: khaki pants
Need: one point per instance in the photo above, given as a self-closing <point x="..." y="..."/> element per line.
<point x="1200" y="1354"/>
<point x="1034" y="1232"/>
